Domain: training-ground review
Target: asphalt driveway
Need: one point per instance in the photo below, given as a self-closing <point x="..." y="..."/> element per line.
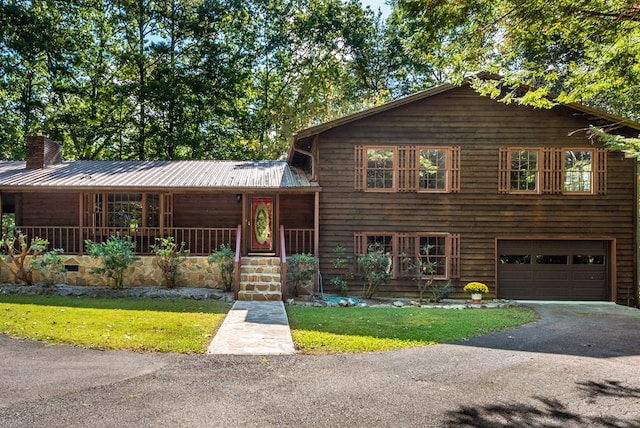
<point x="578" y="366"/>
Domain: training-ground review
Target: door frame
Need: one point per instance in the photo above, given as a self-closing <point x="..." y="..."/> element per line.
<point x="249" y="221"/>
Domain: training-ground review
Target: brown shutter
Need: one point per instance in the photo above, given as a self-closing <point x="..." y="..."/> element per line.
<point x="552" y="171"/>
<point x="359" y="246"/>
<point x="503" y="171"/>
<point x="455" y="169"/>
<point x="359" y="169"/>
<point x="600" y="169"/>
<point x="454" y="248"/>
<point x="407" y="251"/>
<point x="408" y="169"/>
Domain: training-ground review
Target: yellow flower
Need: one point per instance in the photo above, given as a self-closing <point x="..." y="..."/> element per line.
<point x="476" y="287"/>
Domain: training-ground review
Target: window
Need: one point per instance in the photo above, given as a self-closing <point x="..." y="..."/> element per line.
<point x="405" y="248"/>
<point x="560" y="171"/>
<point x="577" y="171"/>
<point x="380" y="168"/>
<point x="433" y="249"/>
<point x="523" y="176"/>
<point x="126" y="210"/>
<point x="432" y="171"/>
<point x="407" y="169"/>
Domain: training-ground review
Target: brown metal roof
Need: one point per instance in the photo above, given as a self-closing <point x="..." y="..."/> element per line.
<point x="155" y="174"/>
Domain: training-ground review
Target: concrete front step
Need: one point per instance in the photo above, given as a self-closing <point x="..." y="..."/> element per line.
<point x="263" y="296"/>
<point x="260" y="286"/>
<point x="260" y="279"/>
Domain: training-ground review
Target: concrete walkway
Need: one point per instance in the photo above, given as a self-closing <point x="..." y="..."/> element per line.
<point x="254" y="328"/>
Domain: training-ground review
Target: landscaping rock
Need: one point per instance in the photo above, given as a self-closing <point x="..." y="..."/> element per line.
<point x="137" y="292"/>
<point x="398" y="304"/>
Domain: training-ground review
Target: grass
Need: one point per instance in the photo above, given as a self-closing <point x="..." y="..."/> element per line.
<point x="187" y="326"/>
<point x="162" y="325"/>
<point x="332" y="330"/>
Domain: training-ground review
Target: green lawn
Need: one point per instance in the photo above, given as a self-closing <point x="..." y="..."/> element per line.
<point x="187" y="326"/>
<point x="163" y="325"/>
<point x="340" y="330"/>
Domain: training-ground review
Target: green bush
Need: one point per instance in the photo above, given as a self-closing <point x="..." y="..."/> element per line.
<point x="376" y="270"/>
<point x="341" y="261"/>
<point x="51" y="267"/>
<point x="300" y="270"/>
<point x="168" y="256"/>
<point x="117" y="254"/>
<point x="223" y="258"/>
<point x="18" y="248"/>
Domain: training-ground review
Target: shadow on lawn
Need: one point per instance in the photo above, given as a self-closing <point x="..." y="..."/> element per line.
<point x="549" y="412"/>
<point x="171" y="304"/>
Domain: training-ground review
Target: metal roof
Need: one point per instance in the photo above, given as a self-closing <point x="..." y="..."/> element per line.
<point x="155" y="174"/>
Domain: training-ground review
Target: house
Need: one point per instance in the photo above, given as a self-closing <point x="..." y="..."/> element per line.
<point x="205" y="204"/>
<point x="513" y="196"/>
<point x="519" y="198"/>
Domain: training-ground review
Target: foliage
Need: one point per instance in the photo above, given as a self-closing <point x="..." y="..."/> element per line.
<point x="117" y="254"/>
<point x="142" y="325"/>
<point x="300" y="270"/>
<point x="19" y="248"/>
<point x="179" y="79"/>
<point x="342" y="262"/>
<point x="168" y="256"/>
<point x="223" y="258"/>
<point x="581" y="51"/>
<point x="331" y="330"/>
<point x="423" y="271"/>
<point x="376" y="270"/>
<point x="476" y="288"/>
<point x="51" y="267"/>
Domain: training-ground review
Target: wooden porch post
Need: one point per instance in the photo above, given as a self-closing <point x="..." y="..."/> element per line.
<point x="81" y="223"/>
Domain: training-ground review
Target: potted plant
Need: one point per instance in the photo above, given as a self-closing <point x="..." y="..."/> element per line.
<point x="476" y="289"/>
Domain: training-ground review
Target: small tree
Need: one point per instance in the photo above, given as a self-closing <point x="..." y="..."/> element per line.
<point x="168" y="257"/>
<point x="423" y="271"/>
<point x="341" y="261"/>
<point x="51" y="267"/>
<point x="376" y="269"/>
<point x="223" y="258"/>
<point x="18" y="248"/>
<point x="117" y="255"/>
<point x="300" y="270"/>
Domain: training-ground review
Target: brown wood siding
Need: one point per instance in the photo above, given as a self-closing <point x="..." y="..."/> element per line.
<point x="479" y="213"/>
<point x="49" y="209"/>
<point x="206" y="210"/>
<point x="297" y="211"/>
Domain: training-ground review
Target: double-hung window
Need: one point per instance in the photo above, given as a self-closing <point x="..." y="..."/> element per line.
<point x="439" y="250"/>
<point x="407" y="169"/>
<point x="563" y="171"/>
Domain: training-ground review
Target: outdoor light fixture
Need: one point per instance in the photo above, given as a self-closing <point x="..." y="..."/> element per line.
<point x="238" y="197"/>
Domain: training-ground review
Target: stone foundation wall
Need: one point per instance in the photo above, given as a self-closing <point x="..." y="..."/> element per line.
<point x="194" y="271"/>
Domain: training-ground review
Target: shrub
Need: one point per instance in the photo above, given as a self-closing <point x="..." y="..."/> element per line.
<point x="51" y="267"/>
<point x="341" y="261"/>
<point x="18" y="248"/>
<point x="223" y="258"/>
<point x="300" y="270"/>
<point x="168" y="256"/>
<point x="376" y="270"/>
<point x="117" y="255"/>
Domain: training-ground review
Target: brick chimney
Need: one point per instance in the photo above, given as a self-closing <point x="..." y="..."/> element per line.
<point x="42" y="152"/>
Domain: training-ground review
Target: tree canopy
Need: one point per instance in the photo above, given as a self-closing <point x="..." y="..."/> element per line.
<point x="233" y="79"/>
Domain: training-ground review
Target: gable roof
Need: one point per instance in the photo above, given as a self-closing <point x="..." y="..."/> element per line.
<point x="323" y="127"/>
<point x="154" y="175"/>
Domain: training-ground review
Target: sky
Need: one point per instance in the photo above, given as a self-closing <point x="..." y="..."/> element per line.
<point x="377" y="4"/>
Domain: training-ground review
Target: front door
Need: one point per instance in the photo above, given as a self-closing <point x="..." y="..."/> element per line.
<point x="261" y="225"/>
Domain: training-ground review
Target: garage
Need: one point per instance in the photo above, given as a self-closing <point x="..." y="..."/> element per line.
<point x="553" y="270"/>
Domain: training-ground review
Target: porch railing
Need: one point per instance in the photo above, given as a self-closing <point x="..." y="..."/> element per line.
<point x="199" y="241"/>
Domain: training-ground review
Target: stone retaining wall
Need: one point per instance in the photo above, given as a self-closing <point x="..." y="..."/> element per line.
<point x="194" y="271"/>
